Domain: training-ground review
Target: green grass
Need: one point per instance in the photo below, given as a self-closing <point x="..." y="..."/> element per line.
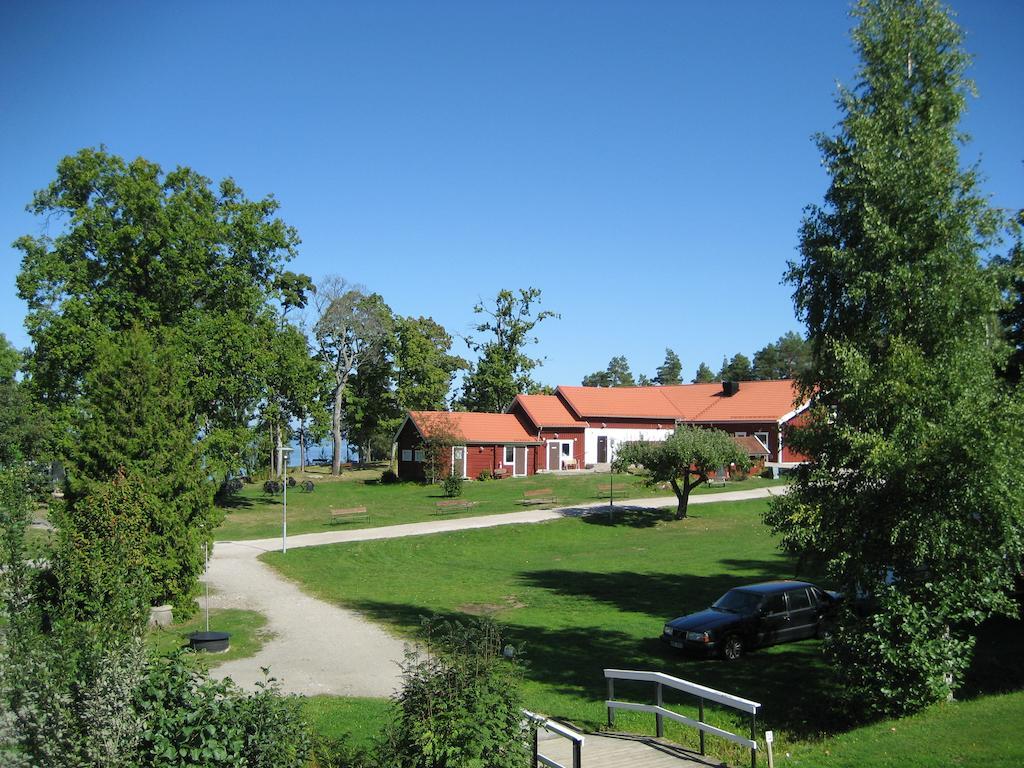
<point x="246" y="627"/>
<point x="253" y="514"/>
<point x="336" y="716"/>
<point x="582" y="595"/>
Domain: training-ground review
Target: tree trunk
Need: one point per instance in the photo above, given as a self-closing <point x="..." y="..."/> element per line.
<point x="282" y="463"/>
<point x="273" y="456"/>
<point x="302" y="446"/>
<point x="339" y="393"/>
<point x="683" y="497"/>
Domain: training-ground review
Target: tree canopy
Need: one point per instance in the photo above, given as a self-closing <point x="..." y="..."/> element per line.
<point x="916" y="449"/>
<point x="669" y="372"/>
<point x="503" y="369"/>
<point x="138" y="246"/>
<point x="617" y="374"/>
<point x="704" y="374"/>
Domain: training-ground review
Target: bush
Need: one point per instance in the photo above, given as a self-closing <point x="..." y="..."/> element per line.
<point x="452" y="486"/>
<point x="389" y="477"/>
<point x="485" y="474"/>
<point x="460" y="703"/>
<point x="272" y="487"/>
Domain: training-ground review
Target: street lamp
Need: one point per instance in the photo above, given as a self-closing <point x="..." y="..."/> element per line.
<point x="283" y="463"/>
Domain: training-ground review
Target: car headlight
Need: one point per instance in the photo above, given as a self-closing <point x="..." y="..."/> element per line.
<point x="667" y="630"/>
<point x="698" y="637"/>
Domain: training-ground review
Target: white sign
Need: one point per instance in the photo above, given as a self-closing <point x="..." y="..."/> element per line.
<point x="769" y="737"/>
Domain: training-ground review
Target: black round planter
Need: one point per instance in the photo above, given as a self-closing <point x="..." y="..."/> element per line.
<point x="211" y="642"/>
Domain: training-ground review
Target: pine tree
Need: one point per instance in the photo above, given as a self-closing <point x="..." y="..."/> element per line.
<point x="671" y="371"/>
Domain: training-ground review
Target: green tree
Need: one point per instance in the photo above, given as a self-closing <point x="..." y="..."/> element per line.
<point x="424" y="365"/>
<point x="1009" y="273"/>
<point x="350" y="331"/>
<point x="787" y="358"/>
<point x="917" y="453"/>
<point x="684" y="459"/>
<point x="670" y="372"/>
<point x="136" y="419"/>
<point x="617" y="374"/>
<point x="24" y="427"/>
<point x="160" y="250"/>
<point x="736" y="369"/>
<point x="503" y="368"/>
<point x="371" y="406"/>
<point x="704" y="375"/>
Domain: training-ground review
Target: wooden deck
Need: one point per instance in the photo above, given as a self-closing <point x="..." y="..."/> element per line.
<point x="624" y="751"/>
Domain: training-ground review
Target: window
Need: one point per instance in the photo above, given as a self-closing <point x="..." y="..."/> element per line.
<point x="407" y="454"/>
<point x="763" y="438"/>
<point x="798" y="600"/>
<point x="775" y="604"/>
<point x="418" y="456"/>
<point x="741" y="434"/>
<point x="510" y="454"/>
<point x="566" y="449"/>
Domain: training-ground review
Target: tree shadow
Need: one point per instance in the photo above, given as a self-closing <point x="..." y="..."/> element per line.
<point x="631" y="517"/>
<point x="660" y="595"/>
<point x="233" y="502"/>
<point x="997" y="665"/>
<point x="571" y="661"/>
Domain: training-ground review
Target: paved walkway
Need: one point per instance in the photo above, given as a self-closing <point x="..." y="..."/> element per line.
<point x="321" y="648"/>
<point x="616" y="751"/>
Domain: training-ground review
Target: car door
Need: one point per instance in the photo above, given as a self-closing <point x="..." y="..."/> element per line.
<point x="803" y="614"/>
<point x="774" y="621"/>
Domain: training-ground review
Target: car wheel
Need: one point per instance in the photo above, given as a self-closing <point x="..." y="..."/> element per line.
<point x="733" y="647"/>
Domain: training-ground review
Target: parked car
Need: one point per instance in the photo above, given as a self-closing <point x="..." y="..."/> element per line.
<point x="754" y="616"/>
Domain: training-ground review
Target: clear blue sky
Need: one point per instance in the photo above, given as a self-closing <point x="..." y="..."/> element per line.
<point x="644" y="164"/>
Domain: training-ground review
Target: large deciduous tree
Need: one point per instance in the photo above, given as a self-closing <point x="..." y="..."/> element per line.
<point x="350" y="331"/>
<point x="24" y="427"/>
<point x="685" y="459"/>
<point x="1009" y="272"/>
<point x="424" y="365"/>
<point x="503" y="368"/>
<point x="914" y="490"/>
<point x="138" y="246"/>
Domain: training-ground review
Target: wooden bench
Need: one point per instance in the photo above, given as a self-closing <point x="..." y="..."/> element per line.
<point x="712" y="481"/>
<point x="454" y="505"/>
<point x="353" y="513"/>
<point x="499" y="473"/>
<point x="540" y="496"/>
<point x="605" y="491"/>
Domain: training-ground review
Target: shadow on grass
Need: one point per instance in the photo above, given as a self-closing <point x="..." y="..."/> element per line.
<point x="790" y="681"/>
<point x="631" y="517"/>
<point x="233" y="502"/>
<point x="660" y="595"/>
<point x="997" y="665"/>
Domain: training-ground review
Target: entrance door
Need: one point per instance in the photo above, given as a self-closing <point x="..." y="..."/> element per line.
<point x="459" y="461"/>
<point x="519" y="469"/>
<point x="602" y="449"/>
<point x="554" y="456"/>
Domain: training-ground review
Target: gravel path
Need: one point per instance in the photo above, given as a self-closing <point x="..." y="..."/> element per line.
<point x="320" y="648"/>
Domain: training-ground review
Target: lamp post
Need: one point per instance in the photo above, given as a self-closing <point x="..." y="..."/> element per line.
<point x="283" y="453"/>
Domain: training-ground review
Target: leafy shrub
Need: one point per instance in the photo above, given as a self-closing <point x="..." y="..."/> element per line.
<point x="485" y="474"/>
<point x="272" y="487"/>
<point x="389" y="477"/>
<point x="307" y="486"/>
<point x="452" y="486"/>
<point x="291" y="482"/>
<point x="460" y="703"/>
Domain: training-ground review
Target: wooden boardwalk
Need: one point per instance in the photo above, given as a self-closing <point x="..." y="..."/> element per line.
<point x="624" y="751"/>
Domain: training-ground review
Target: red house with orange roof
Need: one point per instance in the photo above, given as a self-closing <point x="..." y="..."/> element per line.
<point x="581" y="427"/>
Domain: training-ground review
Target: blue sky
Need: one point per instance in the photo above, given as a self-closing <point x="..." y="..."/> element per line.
<point x="644" y="164"/>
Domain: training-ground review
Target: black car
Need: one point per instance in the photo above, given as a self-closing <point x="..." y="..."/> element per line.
<point x="755" y="615"/>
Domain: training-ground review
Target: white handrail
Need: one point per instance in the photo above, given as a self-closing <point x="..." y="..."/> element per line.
<point x="736" y="702"/>
<point x="559" y="730"/>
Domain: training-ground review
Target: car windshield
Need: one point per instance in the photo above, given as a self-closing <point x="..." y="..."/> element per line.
<point x="737" y="601"/>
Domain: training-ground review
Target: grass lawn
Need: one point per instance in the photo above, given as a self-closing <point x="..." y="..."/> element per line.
<point x="246" y="628"/>
<point x="253" y="514"/>
<point x="581" y="595"/>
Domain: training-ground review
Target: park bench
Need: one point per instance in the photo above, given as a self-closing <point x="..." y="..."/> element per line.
<point x="353" y="513"/>
<point x="712" y="481"/>
<point x="540" y="496"/>
<point x="499" y="473"/>
<point x="454" y="505"/>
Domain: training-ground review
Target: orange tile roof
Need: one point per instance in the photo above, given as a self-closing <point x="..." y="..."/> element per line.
<point x="488" y="428"/>
<point x="750" y="445"/>
<point x="755" y="401"/>
<point x="547" y="411"/>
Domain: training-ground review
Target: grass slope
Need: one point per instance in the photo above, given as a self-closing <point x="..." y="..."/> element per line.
<point x="582" y="595"/>
<point x="253" y="514"/>
<point x="246" y="628"/>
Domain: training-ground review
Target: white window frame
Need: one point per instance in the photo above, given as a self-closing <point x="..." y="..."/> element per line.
<point x="561" y="452"/>
<point x="465" y="460"/>
<point x="505" y="458"/>
<point x="407" y="454"/>
<point x="764" y="441"/>
<point x="740" y="434"/>
<point x="419" y="455"/>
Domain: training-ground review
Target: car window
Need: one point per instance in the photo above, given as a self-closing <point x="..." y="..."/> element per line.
<point x="738" y="601"/>
<point x="798" y="599"/>
<point x="775" y="604"/>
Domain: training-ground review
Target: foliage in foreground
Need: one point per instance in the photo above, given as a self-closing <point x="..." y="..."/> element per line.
<point x="77" y="689"/>
<point x="915" y="491"/>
